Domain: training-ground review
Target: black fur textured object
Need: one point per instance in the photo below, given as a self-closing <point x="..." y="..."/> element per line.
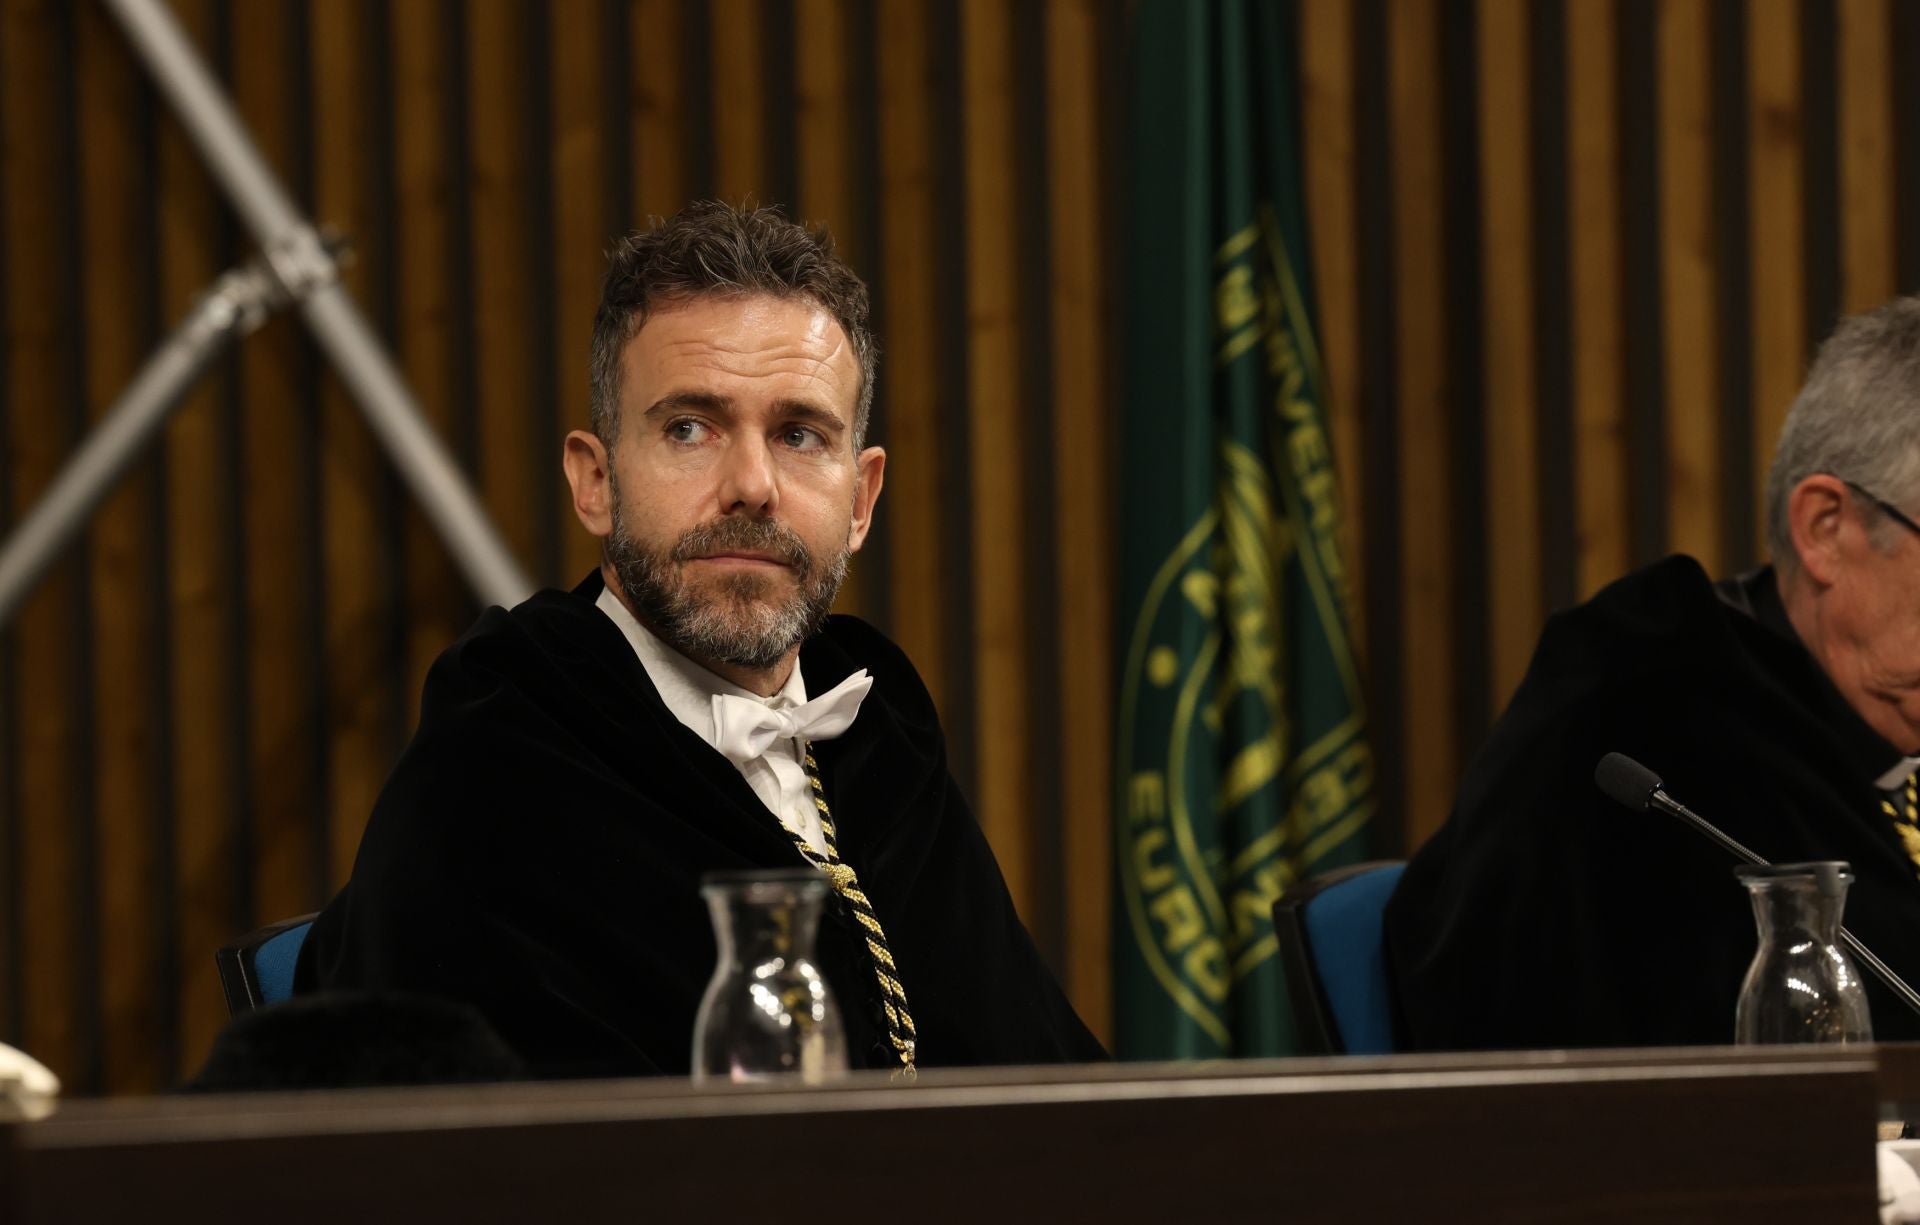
<point x="357" y="1039"/>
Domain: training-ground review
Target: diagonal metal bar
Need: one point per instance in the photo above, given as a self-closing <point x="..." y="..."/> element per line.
<point x="309" y="275"/>
<point x="236" y="304"/>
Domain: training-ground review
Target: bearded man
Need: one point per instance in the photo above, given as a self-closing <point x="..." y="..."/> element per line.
<point x="585" y="758"/>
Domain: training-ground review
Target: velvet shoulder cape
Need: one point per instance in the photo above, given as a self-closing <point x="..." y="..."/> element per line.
<point x="538" y="851"/>
<point x="1543" y="914"/>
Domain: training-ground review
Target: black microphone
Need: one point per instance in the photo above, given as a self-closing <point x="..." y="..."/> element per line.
<point x="1632" y="785"/>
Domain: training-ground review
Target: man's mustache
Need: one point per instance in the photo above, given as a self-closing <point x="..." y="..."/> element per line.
<point x="755" y="535"/>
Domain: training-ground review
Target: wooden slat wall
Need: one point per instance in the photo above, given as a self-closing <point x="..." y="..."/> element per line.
<point x="1000" y="506"/>
<point x="1866" y="154"/>
<point x="1776" y="140"/>
<point x="1510" y="343"/>
<point x="1082" y="439"/>
<point x="211" y="871"/>
<point x="1327" y="121"/>
<point x="50" y="793"/>
<point x="1572" y="257"/>
<point x="1687" y="254"/>
<point x="131" y="822"/>
<point x="1585" y="308"/>
<point x="427" y="213"/>
<point x="1426" y="570"/>
<point x="1594" y="282"/>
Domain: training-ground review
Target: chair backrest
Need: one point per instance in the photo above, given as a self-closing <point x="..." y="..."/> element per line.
<point x="1329" y="930"/>
<point x="257" y="970"/>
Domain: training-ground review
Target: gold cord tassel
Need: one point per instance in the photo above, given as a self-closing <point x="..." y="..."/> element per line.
<point x="1906" y="818"/>
<point x="893" y="997"/>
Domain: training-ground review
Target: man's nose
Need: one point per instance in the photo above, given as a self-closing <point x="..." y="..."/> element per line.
<point x="749" y="482"/>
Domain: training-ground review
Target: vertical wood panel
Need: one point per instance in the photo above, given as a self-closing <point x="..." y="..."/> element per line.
<point x="1083" y="505"/>
<point x="826" y="132"/>
<point x="276" y="489"/>
<point x="580" y="237"/>
<point x="425" y="184"/>
<point x="1423" y="415"/>
<point x="359" y="684"/>
<point x="1778" y="299"/>
<point x="203" y="585"/>
<point x="39" y="395"/>
<point x="507" y="387"/>
<point x="909" y="389"/>
<point x="1512" y="412"/>
<point x="739" y="100"/>
<point x="825" y="124"/>
<point x="1687" y="292"/>
<point x="1643" y="371"/>
<point x="995" y="423"/>
<point x="657" y="109"/>
<point x="1599" y="349"/>
<point x="125" y="742"/>
<point x="1328" y="170"/>
<point x="1867" y="236"/>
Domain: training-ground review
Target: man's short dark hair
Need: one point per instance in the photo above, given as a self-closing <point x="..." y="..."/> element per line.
<point x="715" y="249"/>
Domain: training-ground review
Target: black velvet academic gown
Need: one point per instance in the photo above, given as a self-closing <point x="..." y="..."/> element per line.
<point x="539" y="848"/>
<point x="1543" y="914"/>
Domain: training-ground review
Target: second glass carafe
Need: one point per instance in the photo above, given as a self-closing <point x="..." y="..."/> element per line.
<point x="1801" y="986"/>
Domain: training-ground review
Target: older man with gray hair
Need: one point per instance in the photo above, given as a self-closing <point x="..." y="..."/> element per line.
<point x="1783" y="704"/>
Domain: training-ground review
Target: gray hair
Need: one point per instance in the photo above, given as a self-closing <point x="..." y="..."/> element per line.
<point x="715" y="249"/>
<point x="1857" y="418"/>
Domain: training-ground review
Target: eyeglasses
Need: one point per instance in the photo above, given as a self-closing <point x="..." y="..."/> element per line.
<point x="1893" y="512"/>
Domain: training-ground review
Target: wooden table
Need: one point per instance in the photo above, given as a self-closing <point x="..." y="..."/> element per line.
<point x="1749" y="1135"/>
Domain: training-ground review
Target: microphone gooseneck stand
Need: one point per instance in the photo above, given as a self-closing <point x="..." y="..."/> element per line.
<point x="1633" y="786"/>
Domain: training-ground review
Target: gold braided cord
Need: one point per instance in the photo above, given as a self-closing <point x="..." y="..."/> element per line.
<point x="1906" y="818"/>
<point x="893" y="997"/>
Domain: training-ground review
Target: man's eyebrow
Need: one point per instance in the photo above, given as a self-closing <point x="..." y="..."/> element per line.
<point x="677" y="401"/>
<point x="707" y="401"/>
<point x="808" y="411"/>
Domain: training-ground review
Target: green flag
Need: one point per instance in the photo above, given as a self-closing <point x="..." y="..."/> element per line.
<point x="1242" y="762"/>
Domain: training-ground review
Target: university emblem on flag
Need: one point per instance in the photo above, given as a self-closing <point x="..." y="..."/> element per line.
<point x="1241" y="758"/>
<point x="1242" y="753"/>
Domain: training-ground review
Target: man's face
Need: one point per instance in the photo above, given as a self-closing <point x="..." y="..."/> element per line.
<point x="1871" y="645"/>
<point x="733" y="496"/>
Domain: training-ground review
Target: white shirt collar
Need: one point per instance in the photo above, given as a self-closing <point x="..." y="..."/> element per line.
<point x="1896" y="777"/>
<point x="685" y="686"/>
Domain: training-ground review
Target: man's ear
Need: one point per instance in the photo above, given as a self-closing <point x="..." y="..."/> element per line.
<point x="584" y="459"/>
<point x="870" y="471"/>
<point x="1824" y="534"/>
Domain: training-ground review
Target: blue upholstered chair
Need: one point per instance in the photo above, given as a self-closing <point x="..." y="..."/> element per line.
<point x="1329" y="930"/>
<point x="258" y="970"/>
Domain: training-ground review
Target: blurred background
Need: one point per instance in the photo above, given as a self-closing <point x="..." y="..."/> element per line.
<point x="1571" y="258"/>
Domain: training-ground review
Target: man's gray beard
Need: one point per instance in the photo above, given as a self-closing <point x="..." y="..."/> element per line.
<point x="737" y="619"/>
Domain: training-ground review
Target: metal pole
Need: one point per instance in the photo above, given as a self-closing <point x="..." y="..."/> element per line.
<point x="298" y="258"/>
<point x="238" y="303"/>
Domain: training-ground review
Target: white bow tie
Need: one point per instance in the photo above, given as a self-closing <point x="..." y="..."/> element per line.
<point x="744" y="729"/>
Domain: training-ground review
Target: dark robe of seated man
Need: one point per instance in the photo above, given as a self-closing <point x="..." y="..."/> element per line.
<point x="1778" y="705"/>
<point x="585" y="758"/>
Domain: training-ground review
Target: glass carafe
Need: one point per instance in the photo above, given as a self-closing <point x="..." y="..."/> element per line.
<point x="767" y="1014"/>
<point x="1801" y="986"/>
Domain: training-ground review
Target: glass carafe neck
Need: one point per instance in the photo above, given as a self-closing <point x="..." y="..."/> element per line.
<point x="1803" y="900"/>
<point x="1786" y="910"/>
<point x="766" y="918"/>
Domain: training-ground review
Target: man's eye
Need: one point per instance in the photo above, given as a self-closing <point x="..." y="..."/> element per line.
<point x="687" y="431"/>
<point x="800" y="438"/>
